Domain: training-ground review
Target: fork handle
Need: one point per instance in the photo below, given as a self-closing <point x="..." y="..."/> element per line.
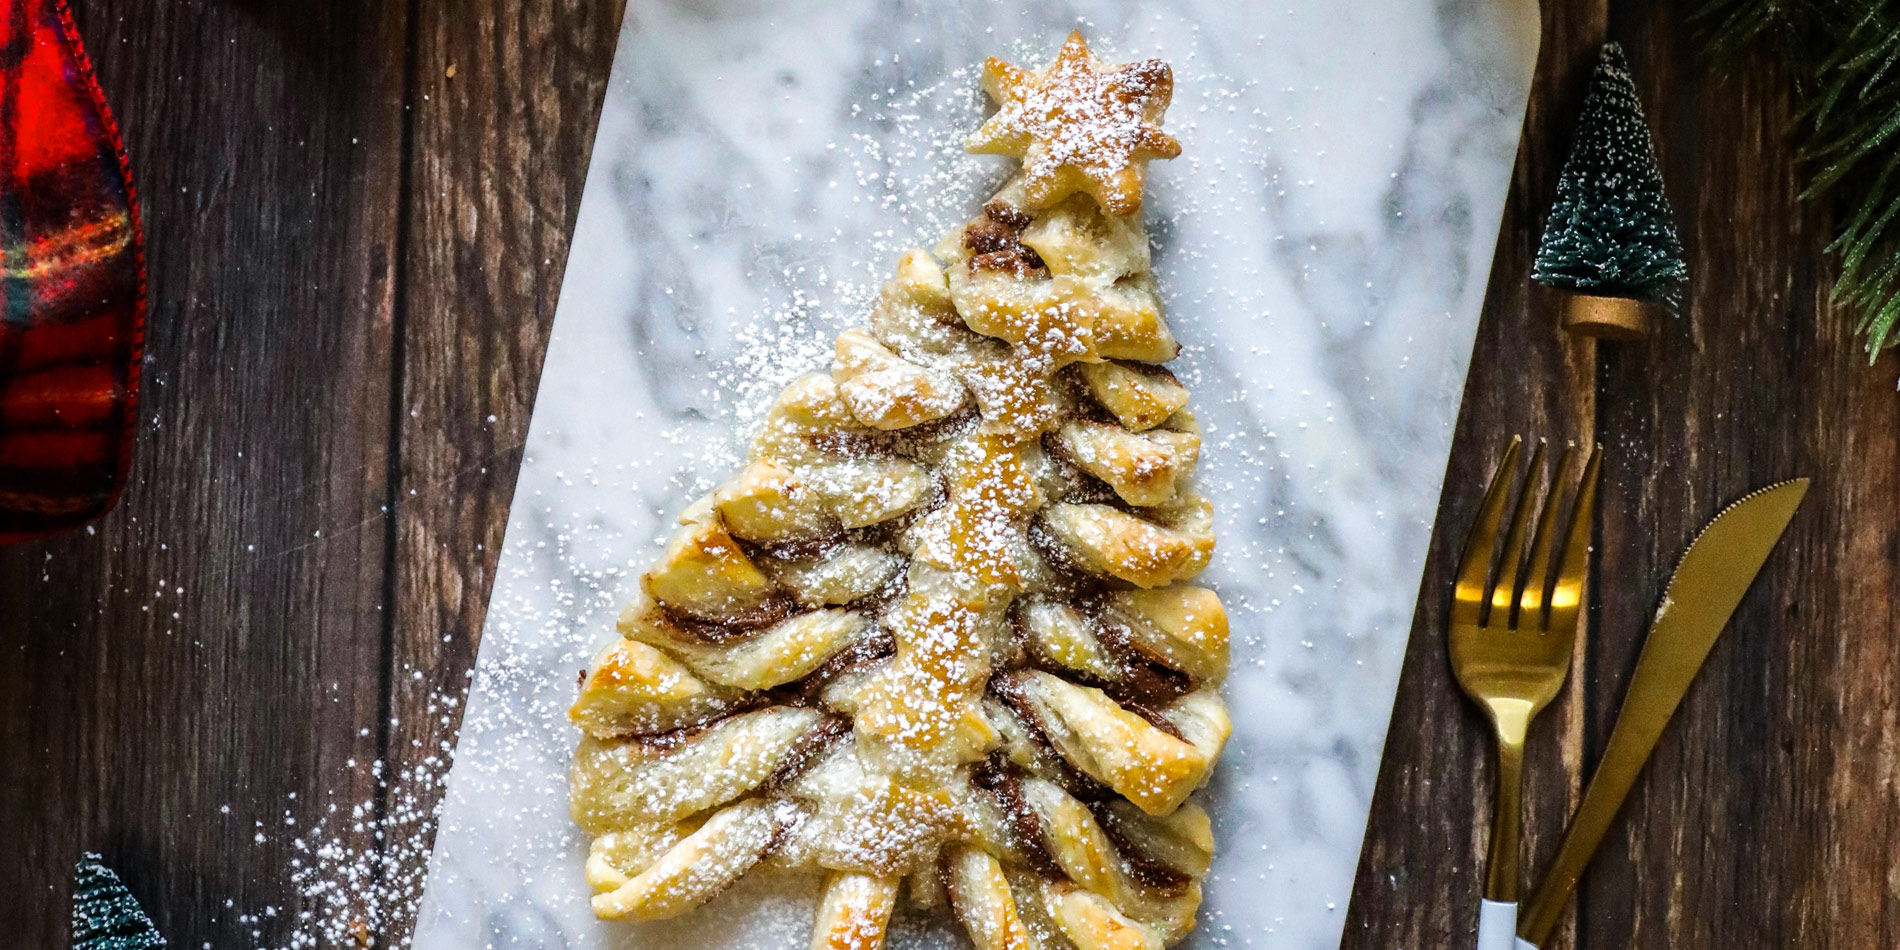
<point x="1497" y="912"/>
<point x="1497" y="925"/>
<point x="1507" y="820"/>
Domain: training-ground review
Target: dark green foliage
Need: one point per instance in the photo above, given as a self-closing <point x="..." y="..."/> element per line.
<point x="1844" y="57"/>
<point x="1610" y="231"/>
<point x="105" y="915"/>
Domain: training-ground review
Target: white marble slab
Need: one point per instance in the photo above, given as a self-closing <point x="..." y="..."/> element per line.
<point x="1323" y="245"/>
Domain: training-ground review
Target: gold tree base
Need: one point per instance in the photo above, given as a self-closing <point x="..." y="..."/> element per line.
<point x="1607" y="318"/>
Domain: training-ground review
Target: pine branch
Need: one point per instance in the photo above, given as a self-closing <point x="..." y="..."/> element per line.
<point x="1844" y="59"/>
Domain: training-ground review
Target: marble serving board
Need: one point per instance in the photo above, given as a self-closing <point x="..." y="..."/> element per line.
<point x="1323" y="245"/>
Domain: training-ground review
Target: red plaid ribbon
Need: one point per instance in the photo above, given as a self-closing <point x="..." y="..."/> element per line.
<point x="72" y="284"/>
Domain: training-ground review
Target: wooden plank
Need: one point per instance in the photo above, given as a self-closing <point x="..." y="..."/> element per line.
<point x="1423" y="864"/>
<point x="508" y="97"/>
<point x="1768" y="816"/>
<point x="175" y="680"/>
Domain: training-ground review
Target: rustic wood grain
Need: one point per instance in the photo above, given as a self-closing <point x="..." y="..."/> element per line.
<point x="355" y="258"/>
<point x="1768" y="817"/>
<point x="179" y="677"/>
<point x="503" y="131"/>
<point x="354" y="265"/>
<point x="1422" y="867"/>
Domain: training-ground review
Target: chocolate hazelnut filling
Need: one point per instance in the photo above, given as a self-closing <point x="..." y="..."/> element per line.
<point x="674" y="738"/>
<point x="1085" y="489"/>
<point x="1154" y="718"/>
<point x="1005" y="687"/>
<point x="990" y="236"/>
<point x="1153" y="872"/>
<point x="783" y="826"/>
<point x="1151" y="685"/>
<point x="807" y="751"/>
<point x="732" y="628"/>
<point x="852" y="444"/>
<point x="1155" y="371"/>
<point x="796" y="550"/>
<point x="805" y="690"/>
<point x="1069" y="573"/>
<point x="995" y="242"/>
<point x="1147" y="679"/>
<point x="1021" y="648"/>
<point x="878" y="601"/>
<point x="1007" y="214"/>
<point x="998" y="778"/>
<point x="1077" y="397"/>
<point x="1141" y="680"/>
<point x="908" y="442"/>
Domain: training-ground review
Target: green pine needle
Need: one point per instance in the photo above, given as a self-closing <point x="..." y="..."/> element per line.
<point x="1610" y="231"/>
<point x="105" y="914"/>
<point x="1844" y="58"/>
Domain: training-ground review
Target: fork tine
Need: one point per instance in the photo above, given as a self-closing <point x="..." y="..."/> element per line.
<point x="1530" y="607"/>
<point x="1504" y="592"/>
<point x="1474" y="565"/>
<point x="1567" y="596"/>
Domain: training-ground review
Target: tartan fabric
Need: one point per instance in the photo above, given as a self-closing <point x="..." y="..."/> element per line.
<point x="72" y="280"/>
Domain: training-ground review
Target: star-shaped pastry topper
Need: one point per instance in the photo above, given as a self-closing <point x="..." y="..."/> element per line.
<point x="1078" y="125"/>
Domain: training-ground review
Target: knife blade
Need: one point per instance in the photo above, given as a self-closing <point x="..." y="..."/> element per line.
<point x="1715" y="572"/>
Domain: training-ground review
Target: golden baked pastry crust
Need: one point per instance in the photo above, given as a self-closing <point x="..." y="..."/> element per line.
<point x="936" y="637"/>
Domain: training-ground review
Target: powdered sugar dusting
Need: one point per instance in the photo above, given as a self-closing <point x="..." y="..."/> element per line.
<point x="757" y="174"/>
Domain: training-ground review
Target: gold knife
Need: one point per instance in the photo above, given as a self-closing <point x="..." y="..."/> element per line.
<point x="1717" y="570"/>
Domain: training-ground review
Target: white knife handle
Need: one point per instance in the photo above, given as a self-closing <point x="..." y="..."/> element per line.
<point x="1523" y="944"/>
<point x="1497" y="925"/>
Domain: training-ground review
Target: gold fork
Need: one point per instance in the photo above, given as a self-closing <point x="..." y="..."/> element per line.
<point x="1512" y="630"/>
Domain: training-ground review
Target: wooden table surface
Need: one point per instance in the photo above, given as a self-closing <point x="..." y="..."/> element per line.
<point x="357" y="214"/>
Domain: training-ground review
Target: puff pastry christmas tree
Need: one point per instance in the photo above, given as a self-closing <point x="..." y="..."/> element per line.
<point x="937" y="639"/>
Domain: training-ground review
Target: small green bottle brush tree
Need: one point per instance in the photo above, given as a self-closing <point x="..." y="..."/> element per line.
<point x="1610" y="240"/>
<point x="105" y="914"/>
